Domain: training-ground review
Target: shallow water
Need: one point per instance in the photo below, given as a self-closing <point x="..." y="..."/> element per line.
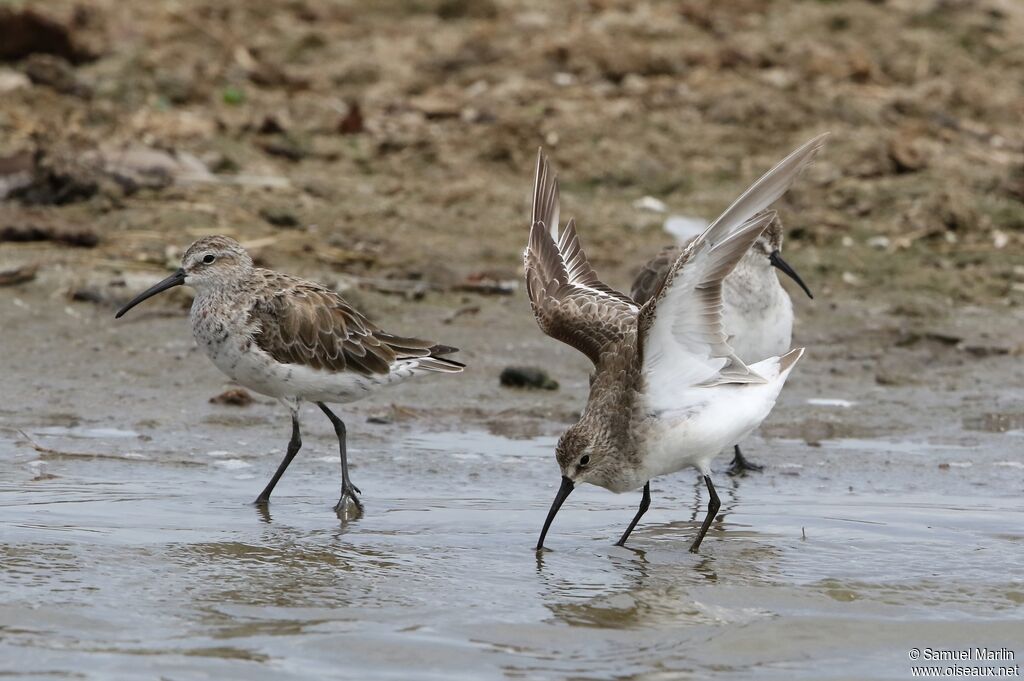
<point x="149" y="561"/>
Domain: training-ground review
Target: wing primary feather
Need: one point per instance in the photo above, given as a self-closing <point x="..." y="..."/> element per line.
<point x="545" y="195"/>
<point x="682" y="339"/>
<point x="583" y="316"/>
<point x="569" y="301"/>
<point x="758" y="197"/>
<point x="769" y="187"/>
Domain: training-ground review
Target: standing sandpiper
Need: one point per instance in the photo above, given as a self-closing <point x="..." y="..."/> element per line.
<point x="292" y="339"/>
<point x="667" y="390"/>
<point x="757" y="313"/>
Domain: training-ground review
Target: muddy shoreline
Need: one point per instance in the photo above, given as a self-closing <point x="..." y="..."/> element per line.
<point x="889" y="523"/>
<point x="953" y="373"/>
<point x="387" y="149"/>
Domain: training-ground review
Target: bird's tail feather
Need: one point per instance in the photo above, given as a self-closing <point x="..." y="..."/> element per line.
<point x="440" y="364"/>
<point x="787" y="361"/>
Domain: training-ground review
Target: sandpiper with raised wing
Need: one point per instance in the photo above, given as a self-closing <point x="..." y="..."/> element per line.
<point x="757" y="313"/>
<point x="667" y="390"/>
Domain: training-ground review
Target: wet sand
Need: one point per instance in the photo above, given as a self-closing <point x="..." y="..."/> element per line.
<point x="888" y="523"/>
<point x="394" y="142"/>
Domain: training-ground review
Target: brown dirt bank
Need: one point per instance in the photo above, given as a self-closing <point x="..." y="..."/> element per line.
<point x="390" y="146"/>
<point x="398" y="138"/>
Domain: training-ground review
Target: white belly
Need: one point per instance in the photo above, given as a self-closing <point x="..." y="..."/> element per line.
<point x="715" y="419"/>
<point x="245" y="363"/>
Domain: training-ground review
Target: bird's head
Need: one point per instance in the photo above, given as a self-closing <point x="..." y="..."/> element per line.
<point x="215" y="261"/>
<point x="211" y="262"/>
<point x="767" y="252"/>
<point x="584" y="454"/>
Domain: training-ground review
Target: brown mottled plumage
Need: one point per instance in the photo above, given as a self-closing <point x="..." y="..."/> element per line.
<point x="653" y="272"/>
<point x="299" y="322"/>
<point x="570" y="304"/>
<point x="294" y="340"/>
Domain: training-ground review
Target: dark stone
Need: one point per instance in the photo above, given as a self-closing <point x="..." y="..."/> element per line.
<point x="527" y="377"/>
<point x="25" y="32"/>
<point x="279" y="216"/>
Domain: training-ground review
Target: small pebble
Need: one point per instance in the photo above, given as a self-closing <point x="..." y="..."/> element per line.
<point x="527" y="377"/>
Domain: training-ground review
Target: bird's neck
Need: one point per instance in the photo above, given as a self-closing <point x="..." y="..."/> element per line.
<point x="613" y="402"/>
<point x="230" y="301"/>
<point x="226" y="288"/>
<point x="754" y="280"/>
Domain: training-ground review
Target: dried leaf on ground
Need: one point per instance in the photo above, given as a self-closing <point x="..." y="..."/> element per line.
<point x="18" y="275"/>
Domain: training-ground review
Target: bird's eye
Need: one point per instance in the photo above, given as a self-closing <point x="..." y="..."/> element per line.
<point x="585" y="459"/>
<point x="209" y="259"/>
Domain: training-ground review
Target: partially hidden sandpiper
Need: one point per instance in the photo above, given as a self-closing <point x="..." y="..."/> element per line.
<point x="294" y="340"/>
<point x="757" y="313"/>
<point x="667" y="390"/>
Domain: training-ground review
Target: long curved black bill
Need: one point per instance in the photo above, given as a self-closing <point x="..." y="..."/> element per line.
<point x="776" y="260"/>
<point x="563" y="493"/>
<point x="176" y="279"/>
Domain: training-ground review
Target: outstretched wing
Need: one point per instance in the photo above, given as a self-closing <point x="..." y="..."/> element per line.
<point x="313" y="326"/>
<point x="680" y="327"/>
<point x="762" y="194"/>
<point x="651" y="276"/>
<point x="684" y="344"/>
<point x="768" y="189"/>
<point x="545" y="210"/>
<point x="569" y="301"/>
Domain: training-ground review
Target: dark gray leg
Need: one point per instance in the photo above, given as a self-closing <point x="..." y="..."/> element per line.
<point x="293" y="448"/>
<point x="740" y="465"/>
<point x="348" y="490"/>
<point x="645" y="503"/>
<point x="713" y="505"/>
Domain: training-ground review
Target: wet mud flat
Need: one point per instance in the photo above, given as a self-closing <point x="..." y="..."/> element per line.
<point x="889" y="516"/>
<point x="388" y="147"/>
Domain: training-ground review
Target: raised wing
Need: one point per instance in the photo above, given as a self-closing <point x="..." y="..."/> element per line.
<point x="768" y="188"/>
<point x="654" y="271"/>
<point x="313" y="326"/>
<point x="545" y="196"/>
<point x="755" y="200"/>
<point x="680" y="327"/>
<point x="545" y="210"/>
<point x="681" y="335"/>
<point x="569" y="301"/>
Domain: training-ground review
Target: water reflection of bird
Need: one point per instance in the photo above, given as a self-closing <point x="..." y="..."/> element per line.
<point x="667" y="391"/>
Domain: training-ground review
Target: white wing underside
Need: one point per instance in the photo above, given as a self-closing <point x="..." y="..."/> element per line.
<point x="686" y="346"/>
<point x="684" y="343"/>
